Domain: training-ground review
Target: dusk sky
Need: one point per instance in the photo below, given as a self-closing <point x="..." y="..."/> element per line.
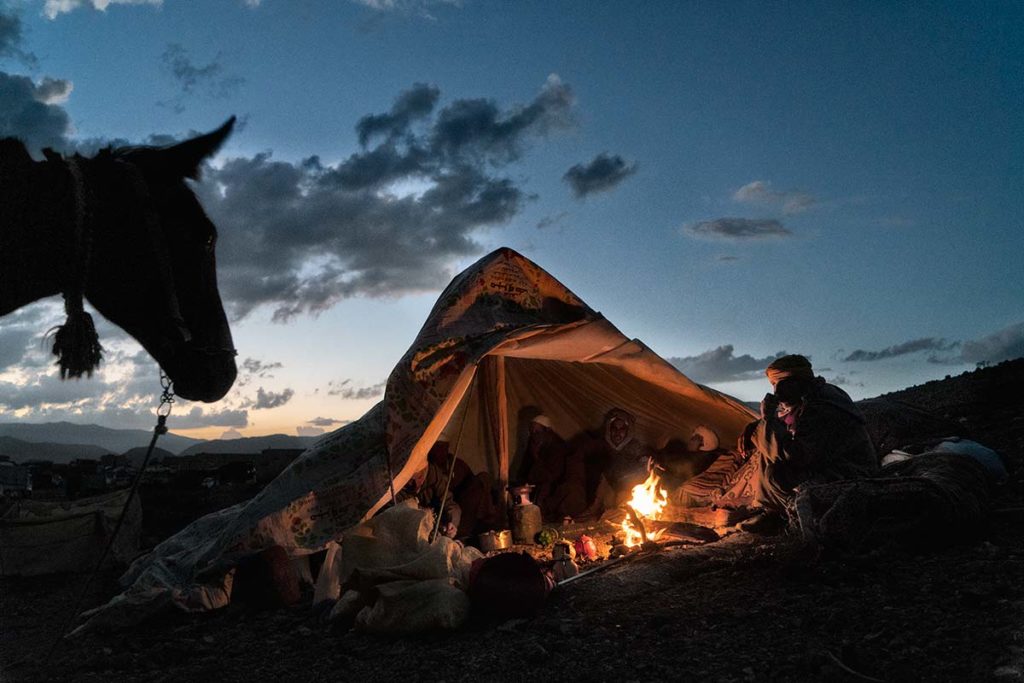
<point x="725" y="181"/>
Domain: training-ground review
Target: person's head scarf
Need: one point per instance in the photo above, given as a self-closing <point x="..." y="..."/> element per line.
<point x="618" y="415"/>
<point x="791" y="366"/>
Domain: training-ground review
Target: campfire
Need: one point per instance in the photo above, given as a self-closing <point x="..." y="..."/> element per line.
<point x="648" y="500"/>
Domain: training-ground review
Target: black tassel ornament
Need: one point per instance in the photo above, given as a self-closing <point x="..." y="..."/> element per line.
<point x="76" y="343"/>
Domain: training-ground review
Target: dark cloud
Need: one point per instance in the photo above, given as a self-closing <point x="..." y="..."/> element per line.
<point x="198" y="417"/>
<point x="256" y="368"/>
<point x="721" y="365"/>
<point x="415" y="103"/>
<point x="761" y="192"/>
<point x="346" y="390"/>
<point x="739" y="229"/>
<point x="301" y="236"/>
<point x="265" y="400"/>
<point x="326" y="421"/>
<point x="209" y="80"/>
<point x="11" y="38"/>
<point x="913" y="346"/>
<point x="25" y="113"/>
<point x="1006" y="344"/>
<point x="601" y="174"/>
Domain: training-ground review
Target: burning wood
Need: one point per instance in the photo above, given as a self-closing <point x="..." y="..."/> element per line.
<point x="648" y="500"/>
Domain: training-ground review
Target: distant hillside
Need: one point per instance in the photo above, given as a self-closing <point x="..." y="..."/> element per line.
<point x="111" y="440"/>
<point x="20" y="451"/>
<point x="135" y="456"/>
<point x="252" y="444"/>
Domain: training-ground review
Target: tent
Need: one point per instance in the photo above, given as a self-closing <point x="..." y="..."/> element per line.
<point x="47" y="537"/>
<point x="504" y="338"/>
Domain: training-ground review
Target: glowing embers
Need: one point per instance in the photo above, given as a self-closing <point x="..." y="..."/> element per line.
<point x="648" y="500"/>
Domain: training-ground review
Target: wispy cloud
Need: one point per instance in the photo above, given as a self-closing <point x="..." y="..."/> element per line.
<point x="722" y="365"/>
<point x="761" y="192"/>
<point x="53" y="8"/>
<point x="11" y="38"/>
<point x="601" y="174"/>
<point x="738" y="229"/>
<point x="421" y="8"/>
<point x="208" y="80"/>
<point x="908" y="347"/>
<point x="347" y="390"/>
<point x="326" y="421"/>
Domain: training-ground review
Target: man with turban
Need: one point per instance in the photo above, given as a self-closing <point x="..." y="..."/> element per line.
<point x="809" y="432"/>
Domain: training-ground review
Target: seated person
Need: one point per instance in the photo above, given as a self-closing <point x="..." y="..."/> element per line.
<point x="809" y="432"/>
<point x="678" y="461"/>
<point x="468" y="507"/>
<point x="555" y="471"/>
<point x="615" y="462"/>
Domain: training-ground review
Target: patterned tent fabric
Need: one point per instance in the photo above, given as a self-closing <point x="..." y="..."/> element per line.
<point x="503" y="336"/>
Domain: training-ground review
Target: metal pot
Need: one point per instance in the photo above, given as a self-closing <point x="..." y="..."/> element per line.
<point x="495" y="540"/>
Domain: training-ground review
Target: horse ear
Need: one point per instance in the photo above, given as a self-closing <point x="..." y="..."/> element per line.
<point x="185" y="158"/>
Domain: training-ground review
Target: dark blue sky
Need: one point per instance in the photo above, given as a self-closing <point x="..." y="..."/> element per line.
<point x="841" y="180"/>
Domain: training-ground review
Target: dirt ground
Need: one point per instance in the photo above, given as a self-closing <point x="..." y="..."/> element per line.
<point x="743" y="609"/>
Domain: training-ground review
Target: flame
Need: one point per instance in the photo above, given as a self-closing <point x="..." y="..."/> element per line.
<point x="648" y="501"/>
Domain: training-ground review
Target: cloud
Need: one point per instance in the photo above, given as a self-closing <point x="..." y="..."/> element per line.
<point x="913" y="346"/>
<point x="265" y="400"/>
<point x="11" y="38"/>
<point x="231" y="434"/>
<point x="53" y="8"/>
<point x="720" y="365"/>
<point x="346" y="390"/>
<point x="54" y="90"/>
<point x="302" y="430"/>
<point x="209" y="80"/>
<point x="412" y="7"/>
<point x="550" y="221"/>
<point x="761" y="192"/>
<point x="601" y="174"/>
<point x="299" y="237"/>
<point x="728" y="258"/>
<point x="326" y="421"/>
<point x="1006" y="344"/>
<point x="739" y="229"/>
<point x="415" y="103"/>
<point x="252" y="368"/>
<point x="28" y="111"/>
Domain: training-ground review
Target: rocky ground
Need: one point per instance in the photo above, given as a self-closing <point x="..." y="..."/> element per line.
<point x="742" y="609"/>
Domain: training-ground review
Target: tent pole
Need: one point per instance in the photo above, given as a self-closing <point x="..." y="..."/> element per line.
<point x="503" y="455"/>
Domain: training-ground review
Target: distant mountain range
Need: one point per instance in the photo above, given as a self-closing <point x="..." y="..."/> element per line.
<point x="65" y="441"/>
<point x="251" y="444"/>
<point x="112" y="440"/>
<point x="20" y="451"/>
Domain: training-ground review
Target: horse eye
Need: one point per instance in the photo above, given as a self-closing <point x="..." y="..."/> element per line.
<point x="211" y="242"/>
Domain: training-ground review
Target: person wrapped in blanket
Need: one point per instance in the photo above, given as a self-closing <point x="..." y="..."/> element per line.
<point x="616" y="461"/>
<point x="809" y="432"/>
<point x="468" y="507"/>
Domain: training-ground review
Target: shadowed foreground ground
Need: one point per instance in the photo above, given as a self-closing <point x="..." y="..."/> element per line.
<point x="742" y="609"/>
